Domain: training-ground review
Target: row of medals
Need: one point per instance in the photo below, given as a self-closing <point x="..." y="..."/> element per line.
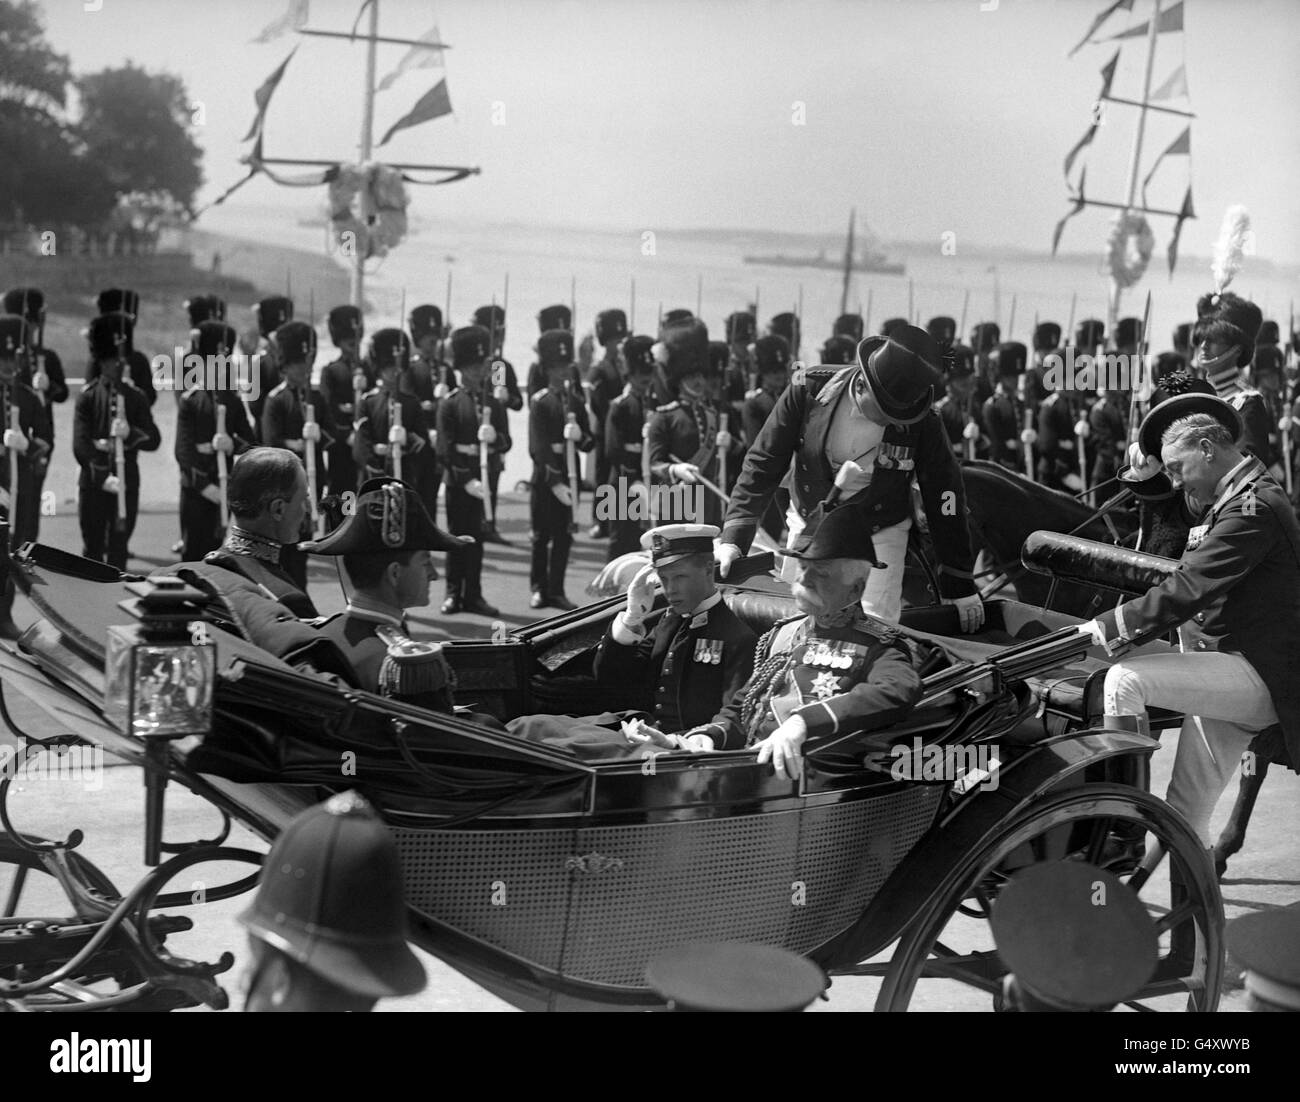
<point x="708" y="651"/>
<point x="829" y="655"/>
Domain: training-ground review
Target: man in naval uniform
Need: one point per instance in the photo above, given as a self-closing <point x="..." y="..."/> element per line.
<point x="699" y="653"/>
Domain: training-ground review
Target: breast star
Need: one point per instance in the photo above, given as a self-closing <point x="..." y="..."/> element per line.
<point x="825" y="685"/>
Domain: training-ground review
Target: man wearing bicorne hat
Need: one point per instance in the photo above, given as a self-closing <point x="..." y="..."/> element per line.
<point x="867" y="426"/>
<point x="340" y="380"/>
<point x="1235" y="600"/>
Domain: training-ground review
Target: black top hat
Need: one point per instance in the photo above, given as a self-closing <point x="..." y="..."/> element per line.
<point x="296" y="341"/>
<point x="558" y="316"/>
<point x="638" y="354"/>
<point x="1267" y="943"/>
<point x="1010" y="358"/>
<point x="772" y="354"/>
<point x="1268" y="333"/>
<point x="611" y="325"/>
<point x="331" y="898"/>
<point x="345" y="323"/>
<point x="741" y="326"/>
<point x="390" y="348"/>
<point x="1066" y="951"/>
<point x="490" y="317"/>
<point x="273" y="312"/>
<point x="840" y="350"/>
<point x="389" y="516"/>
<point x="1089" y="333"/>
<point x="118" y="300"/>
<point x="1128" y="332"/>
<point x="785" y="325"/>
<point x="670" y="542"/>
<point x="1047" y="336"/>
<point x="849" y="325"/>
<point x="1184" y="405"/>
<point x="840" y="532"/>
<point x="892" y="326"/>
<point x="959" y="362"/>
<point x="686" y="343"/>
<point x="29" y="303"/>
<point x="942" y="328"/>
<point x="13" y="335"/>
<point x="203" y="308"/>
<point x="110" y="335"/>
<point x="985" y="336"/>
<point x="213" y="338"/>
<point x="555" y="348"/>
<point x="903" y="372"/>
<point x="719" y="357"/>
<point x="470" y="345"/>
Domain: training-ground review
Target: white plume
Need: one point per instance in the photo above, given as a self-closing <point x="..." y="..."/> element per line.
<point x="1231" y="246"/>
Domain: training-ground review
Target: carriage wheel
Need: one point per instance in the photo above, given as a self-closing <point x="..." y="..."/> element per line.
<point x="952" y="941"/>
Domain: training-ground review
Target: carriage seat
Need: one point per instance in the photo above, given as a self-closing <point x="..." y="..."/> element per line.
<point x="759" y="611"/>
<point x="1087" y="562"/>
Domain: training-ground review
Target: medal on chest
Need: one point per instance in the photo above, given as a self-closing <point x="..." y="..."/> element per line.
<point x="708" y="652"/>
<point x="1196" y="536"/>
<point x="896" y="457"/>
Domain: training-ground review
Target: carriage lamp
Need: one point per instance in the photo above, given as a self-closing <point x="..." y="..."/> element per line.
<point x="158" y="678"/>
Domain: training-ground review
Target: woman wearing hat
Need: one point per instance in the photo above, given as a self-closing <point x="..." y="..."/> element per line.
<point x="1235" y="600"/>
<point x="867" y="427"/>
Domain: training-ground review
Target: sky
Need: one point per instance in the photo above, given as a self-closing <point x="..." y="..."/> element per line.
<point x="929" y="116"/>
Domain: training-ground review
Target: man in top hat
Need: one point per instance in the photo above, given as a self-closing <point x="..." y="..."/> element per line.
<point x="269" y="314"/>
<point x="386" y="546"/>
<point x="198" y="444"/>
<point x="39" y="368"/>
<point x="868" y="425"/>
<point x="105" y="530"/>
<point x="984" y="340"/>
<point x="943" y="329"/>
<point x="624" y="445"/>
<point x="956" y="409"/>
<point x="607" y="379"/>
<point x="1003" y="412"/>
<point x="327" y="927"/>
<point x="340" y="380"/>
<point x="699" y="653"/>
<point x="1267" y="944"/>
<point x="117" y="300"/>
<point x="1224" y="342"/>
<point x="461" y="435"/>
<point x="1235" y="600"/>
<point x="786" y="325"/>
<point x="285" y="424"/>
<point x="557" y="418"/>
<point x="831" y="673"/>
<point x="851" y="326"/>
<point x="427" y="382"/>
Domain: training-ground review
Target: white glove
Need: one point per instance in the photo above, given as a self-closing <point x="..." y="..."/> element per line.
<point x="1028" y="436"/>
<point x="640" y="597"/>
<point x="41" y="381"/>
<point x="971" y="431"/>
<point x="440" y="390"/>
<point x="696" y="744"/>
<point x="970" y="610"/>
<point x="427" y="406"/>
<point x="15" y="439"/>
<point x="397" y="436"/>
<point x="487" y="434"/>
<point x="1284" y="424"/>
<point x="112" y="484"/>
<point x="684" y="472"/>
<point x="726" y="554"/>
<point x="381" y="450"/>
<point x="1094" y="631"/>
<point x="475" y="488"/>
<point x="563" y="493"/>
<point x="345" y="407"/>
<point x="119" y="428"/>
<point x="1082" y="428"/>
<point x="1143" y="465"/>
<point x="311" y="431"/>
<point x="221" y="442"/>
<point x="501" y="393"/>
<point x="433" y="438"/>
<point x="359" y="382"/>
<point x="212" y="494"/>
<point x="724" y="440"/>
<point x="784" y="748"/>
<point x="573" y="432"/>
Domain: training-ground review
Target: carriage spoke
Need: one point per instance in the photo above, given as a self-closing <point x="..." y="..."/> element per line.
<point x="1180" y="914"/>
<point x="1097" y="844"/>
<point x="15" y="891"/>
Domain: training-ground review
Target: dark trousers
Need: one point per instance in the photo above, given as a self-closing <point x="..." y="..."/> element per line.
<point x="25" y="521"/>
<point x="101" y="537"/>
<point x="774" y="515"/>
<point x="602" y="479"/>
<point x="465" y="567"/>
<point x="494" y="477"/>
<point x="624" y="537"/>
<point x="426" y="478"/>
<point x="200" y="525"/>
<point x="341" y="469"/>
<point x="551" y="536"/>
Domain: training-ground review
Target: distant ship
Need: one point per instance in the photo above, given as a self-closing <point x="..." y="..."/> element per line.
<point x="868" y="259"/>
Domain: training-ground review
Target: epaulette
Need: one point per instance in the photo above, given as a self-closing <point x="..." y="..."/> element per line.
<point x="765" y="640"/>
<point x="277" y="388"/>
<point x="669" y="407"/>
<point x="411" y="667"/>
<point x="883" y="630"/>
<point x="537" y="394"/>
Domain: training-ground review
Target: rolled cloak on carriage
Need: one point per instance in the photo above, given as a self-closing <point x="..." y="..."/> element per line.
<point x="552" y="881"/>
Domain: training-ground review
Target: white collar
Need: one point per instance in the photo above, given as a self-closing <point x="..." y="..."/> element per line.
<point x="379" y="612"/>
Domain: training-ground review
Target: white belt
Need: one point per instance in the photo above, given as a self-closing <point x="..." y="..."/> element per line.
<point x="557" y="448"/>
<point x="634" y="449"/>
<point x="467" y="449"/>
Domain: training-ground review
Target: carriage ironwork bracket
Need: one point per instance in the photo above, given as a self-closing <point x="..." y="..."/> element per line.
<point x="593" y="862"/>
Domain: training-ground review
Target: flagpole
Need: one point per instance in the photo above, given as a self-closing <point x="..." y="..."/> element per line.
<point x="367" y="148"/>
<point x="1135" y="158"/>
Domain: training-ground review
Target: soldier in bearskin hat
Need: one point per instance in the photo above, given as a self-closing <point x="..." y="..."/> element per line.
<point x="427" y="382"/>
<point x="956" y="409"/>
<point x="870" y="425"/>
<point x="849" y="325"/>
<point x="741" y="329"/>
<point x="839" y="351"/>
<point x="607" y="379"/>
<point x="269" y="314"/>
<point x="1224" y="342"/>
<point x="1058" y="462"/>
<point x="117" y="300"/>
<point x="205" y="307"/>
<point x="557" y="418"/>
<point x="1003" y="413"/>
<point x="29" y="444"/>
<point x="786" y="325"/>
<point x="1047" y="340"/>
<point x="984" y="338"/>
<point x="773" y="362"/>
<point x="505" y="388"/>
<point x="382" y="441"/>
<point x="340" y="382"/>
<point x="198" y="443"/>
<point x="461" y="436"/>
<point x="1108" y="432"/>
<point x="624" y="443"/>
<point x="943" y="329"/>
<point x="105" y="529"/>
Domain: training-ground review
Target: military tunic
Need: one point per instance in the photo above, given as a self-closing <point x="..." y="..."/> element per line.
<point x="196" y="425"/>
<point x="24" y="521"/>
<point x="340" y="409"/>
<point x="1004" y="419"/>
<point x="687" y="430"/>
<point x="550" y="518"/>
<point x="1109" y="439"/>
<point x="624" y="448"/>
<point x="1057" y="444"/>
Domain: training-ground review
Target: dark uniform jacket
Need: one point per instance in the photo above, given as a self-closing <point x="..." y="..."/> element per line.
<point x="35" y="425"/>
<point x="196" y="425"/>
<point x="1056" y="440"/>
<point x="58" y="388"/>
<point x="271" y="578"/>
<point x="841" y="681"/>
<point x="421" y="382"/>
<point x="797" y="429"/>
<point x="547" y="416"/>
<point x="340" y="398"/>
<point x="606" y="385"/>
<point x="459" y="417"/>
<point x="95" y="409"/>
<point x="1240" y="588"/>
<point x="1258" y="424"/>
<point x="623" y="443"/>
<point x="137" y="370"/>
<point x="283" y="419"/>
<point x="755" y="412"/>
<point x="1109" y="438"/>
<point x="956" y="416"/>
<point x="372" y="644"/>
<point x="685" y="670"/>
<point x="373" y="426"/>
<point x="1004" y="420"/>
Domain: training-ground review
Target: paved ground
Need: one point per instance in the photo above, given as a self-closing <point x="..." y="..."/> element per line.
<point x="1266" y="874"/>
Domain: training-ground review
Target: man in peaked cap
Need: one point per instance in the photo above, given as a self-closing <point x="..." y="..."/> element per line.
<point x="198" y="443"/>
<point x="116" y="300"/>
<point x="327" y="926"/>
<point x="427" y="382"/>
<point x="607" y="380"/>
<point x="1267" y="943"/>
<point x="105" y="534"/>
<point x="1003" y="413"/>
<point x="341" y="380"/>
<point x="624" y="445"/>
<point x="867" y="425"/>
<point x="386" y="546"/>
<point x="556" y="418"/>
<point x="461" y="436"/>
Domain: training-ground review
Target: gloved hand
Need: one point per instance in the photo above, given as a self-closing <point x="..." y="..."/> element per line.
<point x="1284" y="423"/>
<point x="561" y="490"/>
<point x="487" y="434"/>
<point x="726" y="554"/>
<point x="397" y="436"/>
<point x="970" y="610"/>
<point x="222" y="442"/>
<point x="723" y="440"/>
<point x="640" y="597"/>
<point x="475" y="488"/>
<point x="971" y="431"/>
<point x="684" y="472"/>
<point x="311" y="431"/>
<point x="440" y="391"/>
<point x="784" y="748"/>
<point x="1094" y="631"/>
<point x="381" y="450"/>
<point x="427" y="406"/>
<point x="40" y="381"/>
<point x="573" y="432"/>
<point x="119" y="428"/>
<point x="501" y="393"/>
<point x="1028" y="436"/>
<point x="1082" y="428"/>
<point x="212" y="493"/>
<point x="433" y="438"/>
<point x="1144" y="466"/>
<point x="15" y="439"/>
<point x="360" y="383"/>
<point x="112" y="484"/>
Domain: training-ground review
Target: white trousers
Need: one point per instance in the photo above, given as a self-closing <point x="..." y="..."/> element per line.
<point x="1226" y="704"/>
<point x="883" y="596"/>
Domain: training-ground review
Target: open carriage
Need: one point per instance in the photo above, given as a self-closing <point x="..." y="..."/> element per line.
<point x="552" y="881"/>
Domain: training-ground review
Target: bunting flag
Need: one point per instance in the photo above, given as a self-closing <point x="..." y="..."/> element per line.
<point x="1107" y="76"/>
<point x="1176" y="85"/>
<point x="1180" y="145"/>
<point x="1127" y="5"/>
<point x="262" y="97"/>
<point x="432" y="105"/>
<point x="1183" y="215"/>
<point x="417" y="57"/>
<point x="1171" y="20"/>
<point x="292" y="20"/>
<point x="307" y="179"/>
<point x="1079" y="203"/>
